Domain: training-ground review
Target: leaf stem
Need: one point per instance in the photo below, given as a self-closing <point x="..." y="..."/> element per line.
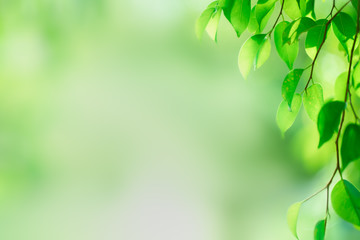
<point x="277" y="19"/>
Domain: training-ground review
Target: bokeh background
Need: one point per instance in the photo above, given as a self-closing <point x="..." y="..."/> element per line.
<point x="117" y="123"/>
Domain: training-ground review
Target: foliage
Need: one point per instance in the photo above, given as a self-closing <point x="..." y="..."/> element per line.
<point x="297" y="19"/>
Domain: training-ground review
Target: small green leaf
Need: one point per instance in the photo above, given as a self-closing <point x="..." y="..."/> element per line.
<point x="263" y="54"/>
<point x="345" y="199"/>
<point x="292" y="9"/>
<point x="263" y="11"/>
<point x="319" y="232"/>
<point x="203" y="21"/>
<point x="287" y="52"/>
<point x="345" y="24"/>
<point x="285" y="117"/>
<point x="296" y="28"/>
<point x="238" y="14"/>
<point x="310" y="8"/>
<point x="329" y="119"/>
<point x="315" y="37"/>
<point x="313" y="101"/>
<point x="213" y="24"/>
<point x="290" y="84"/>
<point x="292" y="217"/>
<point x="249" y="52"/>
<point x="340" y="86"/>
<point x="350" y="147"/>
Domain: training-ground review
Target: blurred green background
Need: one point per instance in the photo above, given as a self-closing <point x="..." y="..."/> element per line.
<point x="117" y="123"/>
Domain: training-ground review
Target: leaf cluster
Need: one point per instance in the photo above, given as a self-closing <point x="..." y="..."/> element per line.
<point x="294" y="20"/>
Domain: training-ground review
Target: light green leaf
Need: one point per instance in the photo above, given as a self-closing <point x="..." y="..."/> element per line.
<point x="313" y="101"/>
<point x="213" y="24"/>
<point x="314" y="38"/>
<point x="253" y="24"/>
<point x="356" y="78"/>
<point x="345" y="24"/>
<point x="203" y="21"/>
<point x="292" y="217"/>
<point x="290" y="84"/>
<point x="285" y="116"/>
<point x="319" y="232"/>
<point x="263" y="11"/>
<point x="263" y="54"/>
<point x="292" y="9"/>
<point x="293" y="31"/>
<point x="287" y="52"/>
<point x="345" y="199"/>
<point x="340" y="86"/>
<point x="238" y="14"/>
<point x="248" y="52"/>
<point x="329" y="119"/>
<point x="350" y="147"/>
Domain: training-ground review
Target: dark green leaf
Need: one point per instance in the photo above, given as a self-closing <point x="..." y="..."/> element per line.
<point x="290" y="84"/>
<point x="296" y="28"/>
<point x="249" y="52"/>
<point x="345" y="199"/>
<point x="329" y="119"/>
<point x="315" y="37"/>
<point x="344" y="41"/>
<point x="345" y="24"/>
<point x="310" y="8"/>
<point x="263" y="11"/>
<point x="203" y="21"/>
<point x="313" y="100"/>
<point x="238" y="14"/>
<point x="319" y="232"/>
<point x="287" y="52"/>
<point x="292" y="217"/>
<point x="350" y="147"/>
<point x="285" y="116"/>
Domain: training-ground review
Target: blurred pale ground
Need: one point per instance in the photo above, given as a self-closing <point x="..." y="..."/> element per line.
<point x="116" y="123"/>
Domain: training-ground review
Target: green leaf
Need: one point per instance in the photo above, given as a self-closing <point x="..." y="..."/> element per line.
<point x="290" y="84"/>
<point x="355" y="3"/>
<point x="263" y="11"/>
<point x="310" y="8"/>
<point x="249" y="52"/>
<point x="263" y="54"/>
<point x="292" y="9"/>
<point x="285" y="116"/>
<point x="296" y="28"/>
<point x="329" y="119"/>
<point x="253" y="24"/>
<point x="238" y="14"/>
<point x="203" y="21"/>
<point x="213" y="24"/>
<point x="345" y="42"/>
<point x="345" y="24"/>
<point x="350" y="147"/>
<point x="356" y="76"/>
<point x="287" y="52"/>
<point x="313" y="101"/>
<point x="340" y="86"/>
<point x="315" y="37"/>
<point x="345" y="199"/>
<point x="319" y="232"/>
<point x="292" y="217"/>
